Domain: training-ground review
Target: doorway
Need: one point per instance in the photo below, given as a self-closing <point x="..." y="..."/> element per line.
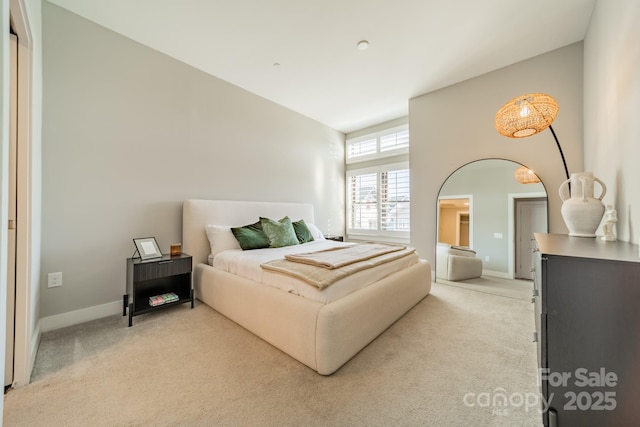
<point x="455" y="225"/>
<point x="530" y="218"/>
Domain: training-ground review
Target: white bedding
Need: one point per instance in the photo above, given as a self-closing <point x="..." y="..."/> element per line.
<point x="247" y="264"/>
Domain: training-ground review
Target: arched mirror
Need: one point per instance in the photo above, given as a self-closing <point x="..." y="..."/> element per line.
<point x="487" y="213"/>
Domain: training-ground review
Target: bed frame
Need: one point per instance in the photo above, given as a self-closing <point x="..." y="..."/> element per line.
<point x="322" y="336"/>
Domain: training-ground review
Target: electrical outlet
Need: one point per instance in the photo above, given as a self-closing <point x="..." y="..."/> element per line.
<point x="486" y="258"/>
<point x="55" y="280"/>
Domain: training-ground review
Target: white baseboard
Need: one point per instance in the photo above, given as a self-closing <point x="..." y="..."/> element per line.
<point x="35" y="345"/>
<point x="499" y="274"/>
<point x="76" y="317"/>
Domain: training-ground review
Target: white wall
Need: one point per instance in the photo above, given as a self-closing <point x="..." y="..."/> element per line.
<point x="612" y="110"/>
<point x="129" y="134"/>
<point x="455" y="125"/>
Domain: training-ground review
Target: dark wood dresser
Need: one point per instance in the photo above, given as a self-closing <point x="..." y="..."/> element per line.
<point x="587" y="296"/>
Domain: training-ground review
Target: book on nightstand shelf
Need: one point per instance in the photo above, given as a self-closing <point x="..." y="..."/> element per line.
<point x="157" y="300"/>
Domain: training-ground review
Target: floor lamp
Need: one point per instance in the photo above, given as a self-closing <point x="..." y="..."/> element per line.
<point x="528" y="115"/>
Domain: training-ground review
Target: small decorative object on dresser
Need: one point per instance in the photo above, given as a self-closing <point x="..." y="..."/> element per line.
<point x="582" y="212"/>
<point x="609" y="226"/>
<point x="147" y="247"/>
<point x="176" y="249"/>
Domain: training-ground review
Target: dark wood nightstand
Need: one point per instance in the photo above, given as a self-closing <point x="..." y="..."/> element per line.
<point x="154" y="277"/>
<point x="335" y="238"/>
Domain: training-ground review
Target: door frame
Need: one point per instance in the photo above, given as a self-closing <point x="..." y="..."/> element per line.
<point x="26" y="338"/>
<point x="511" y="202"/>
<point x="12" y="211"/>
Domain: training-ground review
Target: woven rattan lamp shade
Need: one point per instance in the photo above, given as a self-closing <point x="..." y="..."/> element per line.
<point x="525" y="175"/>
<point x="526" y="115"/>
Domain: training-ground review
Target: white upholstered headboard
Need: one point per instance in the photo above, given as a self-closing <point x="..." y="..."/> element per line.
<point x="197" y="214"/>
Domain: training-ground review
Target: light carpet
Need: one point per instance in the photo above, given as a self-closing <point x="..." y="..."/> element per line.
<point x="510" y="288"/>
<point x="450" y="361"/>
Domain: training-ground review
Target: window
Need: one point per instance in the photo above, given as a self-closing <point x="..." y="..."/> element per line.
<point x="379" y="201"/>
<point x="394" y="141"/>
<point x="394" y="200"/>
<point x="362" y="148"/>
<point x="378" y="188"/>
<point x="385" y="143"/>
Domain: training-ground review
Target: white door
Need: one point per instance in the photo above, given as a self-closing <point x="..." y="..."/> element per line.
<point x="11" y="235"/>
<point x="531" y="217"/>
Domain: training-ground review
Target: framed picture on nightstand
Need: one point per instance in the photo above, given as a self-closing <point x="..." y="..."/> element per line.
<point x="147" y="247"/>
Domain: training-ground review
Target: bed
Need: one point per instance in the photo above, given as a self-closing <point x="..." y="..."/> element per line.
<point x="323" y="335"/>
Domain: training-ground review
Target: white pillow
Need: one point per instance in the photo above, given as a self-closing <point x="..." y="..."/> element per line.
<point x="221" y="238"/>
<point x="315" y="232"/>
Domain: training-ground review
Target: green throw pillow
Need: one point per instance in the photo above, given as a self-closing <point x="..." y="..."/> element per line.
<point x="280" y="233"/>
<point x="251" y="236"/>
<point x="302" y="231"/>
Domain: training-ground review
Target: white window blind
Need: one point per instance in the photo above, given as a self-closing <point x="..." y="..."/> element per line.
<point x="362" y="148"/>
<point x="363" y="194"/>
<point x="379" y="200"/>
<point x="394" y="200"/>
<point x="385" y="143"/>
<point x="394" y="141"/>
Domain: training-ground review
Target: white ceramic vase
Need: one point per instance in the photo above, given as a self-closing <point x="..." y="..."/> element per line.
<point x="582" y="212"/>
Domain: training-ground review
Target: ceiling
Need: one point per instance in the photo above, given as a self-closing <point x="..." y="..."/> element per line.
<point x="454" y="203"/>
<point x="415" y="46"/>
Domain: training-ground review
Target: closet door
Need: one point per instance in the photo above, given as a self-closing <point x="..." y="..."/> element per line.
<point x="11" y="235"/>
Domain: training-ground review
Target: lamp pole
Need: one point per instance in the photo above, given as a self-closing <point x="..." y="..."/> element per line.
<point x="566" y="171"/>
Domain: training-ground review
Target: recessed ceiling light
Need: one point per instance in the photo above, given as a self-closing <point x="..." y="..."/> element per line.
<point x="363" y="45"/>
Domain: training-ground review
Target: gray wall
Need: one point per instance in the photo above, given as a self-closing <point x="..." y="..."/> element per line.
<point x="449" y="128"/>
<point x="129" y="133"/>
<point x="455" y="125"/>
<point x="611" y="108"/>
<point x="489" y="182"/>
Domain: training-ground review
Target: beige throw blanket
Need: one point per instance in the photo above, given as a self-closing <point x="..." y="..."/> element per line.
<point x="323" y="268"/>
<point x="344" y="255"/>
